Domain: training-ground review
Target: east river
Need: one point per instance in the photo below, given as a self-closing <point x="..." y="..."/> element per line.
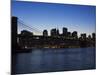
<point x="51" y="60"/>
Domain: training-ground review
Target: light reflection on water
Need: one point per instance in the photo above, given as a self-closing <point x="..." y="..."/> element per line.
<point x="47" y="60"/>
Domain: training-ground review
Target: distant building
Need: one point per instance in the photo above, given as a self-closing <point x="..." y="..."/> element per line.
<point x="53" y="32"/>
<point x="69" y="34"/>
<point x="83" y="36"/>
<point x="93" y="36"/>
<point x="26" y="33"/>
<point x="65" y="30"/>
<point x="89" y="37"/>
<point x="45" y="33"/>
<point x="57" y="31"/>
<point x="74" y="34"/>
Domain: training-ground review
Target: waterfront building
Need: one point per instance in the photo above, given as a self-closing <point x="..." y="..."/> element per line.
<point x="57" y="32"/>
<point x="53" y="32"/>
<point x="65" y="30"/>
<point x="26" y="33"/>
<point x="69" y="34"/>
<point x="93" y="36"/>
<point x="45" y="33"/>
<point x="83" y="36"/>
<point x="74" y="34"/>
<point x="89" y="37"/>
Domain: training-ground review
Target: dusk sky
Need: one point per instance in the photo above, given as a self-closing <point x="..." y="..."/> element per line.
<point x="50" y="15"/>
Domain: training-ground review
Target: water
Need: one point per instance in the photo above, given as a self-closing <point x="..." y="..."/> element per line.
<point x="50" y="60"/>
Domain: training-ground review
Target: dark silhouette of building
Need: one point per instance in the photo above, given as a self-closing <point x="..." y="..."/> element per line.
<point x="69" y="34"/>
<point x="74" y="34"/>
<point x="65" y="30"/>
<point x="89" y="37"/>
<point x="53" y="32"/>
<point x="45" y="33"/>
<point x="57" y="32"/>
<point x="83" y="40"/>
<point x="93" y="36"/>
<point x="26" y="33"/>
<point x="25" y="39"/>
<point x="83" y="36"/>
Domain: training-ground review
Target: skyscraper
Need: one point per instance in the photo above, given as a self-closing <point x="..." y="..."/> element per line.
<point x="69" y="34"/>
<point x="45" y="33"/>
<point x="74" y="34"/>
<point x="65" y="30"/>
<point x="53" y="32"/>
<point x="83" y="36"/>
<point x="93" y="36"/>
<point x="89" y="37"/>
<point x="57" y="31"/>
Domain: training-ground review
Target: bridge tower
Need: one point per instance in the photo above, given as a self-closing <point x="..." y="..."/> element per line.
<point x="13" y="42"/>
<point x="14" y="33"/>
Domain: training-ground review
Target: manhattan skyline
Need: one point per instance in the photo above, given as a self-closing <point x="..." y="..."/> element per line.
<point x="43" y="16"/>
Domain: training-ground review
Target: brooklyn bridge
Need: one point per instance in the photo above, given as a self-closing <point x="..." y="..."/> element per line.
<point x="23" y="37"/>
